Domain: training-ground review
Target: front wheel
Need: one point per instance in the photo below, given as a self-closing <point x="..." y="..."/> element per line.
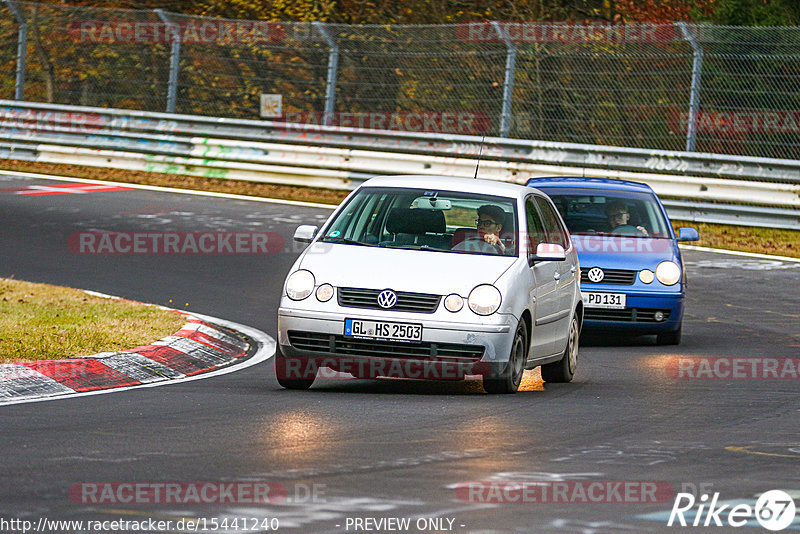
<point x="564" y="369"/>
<point x="509" y="377"/>
<point x="293" y="373"/>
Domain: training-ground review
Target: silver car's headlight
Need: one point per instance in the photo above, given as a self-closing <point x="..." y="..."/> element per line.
<point x="299" y="285"/>
<point x="324" y="292"/>
<point x="668" y="273"/>
<point x="484" y="299"/>
<point x="453" y="302"/>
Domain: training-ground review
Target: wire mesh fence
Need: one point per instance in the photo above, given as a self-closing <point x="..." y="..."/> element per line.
<point x="733" y="90"/>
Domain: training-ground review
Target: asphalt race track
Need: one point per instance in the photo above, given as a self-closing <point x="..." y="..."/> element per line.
<point x="350" y="450"/>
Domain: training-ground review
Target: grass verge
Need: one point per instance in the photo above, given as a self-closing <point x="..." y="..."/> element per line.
<point x="746" y="238"/>
<point x="741" y="238"/>
<point x="44" y="322"/>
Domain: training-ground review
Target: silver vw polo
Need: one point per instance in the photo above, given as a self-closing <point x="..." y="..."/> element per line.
<point x="435" y="278"/>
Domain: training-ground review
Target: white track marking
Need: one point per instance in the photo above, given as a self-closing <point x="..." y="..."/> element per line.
<point x="737" y="253"/>
<point x="169" y="189"/>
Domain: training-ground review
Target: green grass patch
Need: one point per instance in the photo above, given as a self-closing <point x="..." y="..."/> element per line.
<point x="44" y="322"/>
<point x="746" y="238"/>
<point x="742" y="238"/>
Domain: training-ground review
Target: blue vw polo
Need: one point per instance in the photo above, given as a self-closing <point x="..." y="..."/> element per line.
<point x="632" y="276"/>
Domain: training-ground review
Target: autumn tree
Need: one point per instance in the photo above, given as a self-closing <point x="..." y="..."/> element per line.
<point x="748" y="12"/>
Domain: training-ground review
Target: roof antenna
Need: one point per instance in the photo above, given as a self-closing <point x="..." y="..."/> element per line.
<point x="480" y="151"/>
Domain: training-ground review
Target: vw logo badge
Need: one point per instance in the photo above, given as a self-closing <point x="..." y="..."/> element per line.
<point x="387" y="298"/>
<point x="596" y="274"/>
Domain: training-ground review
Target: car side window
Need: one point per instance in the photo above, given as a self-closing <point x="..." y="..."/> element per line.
<point x="555" y="231"/>
<point x="536" y="232"/>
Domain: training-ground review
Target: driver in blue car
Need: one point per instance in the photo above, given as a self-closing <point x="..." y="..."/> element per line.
<point x="619" y="217"/>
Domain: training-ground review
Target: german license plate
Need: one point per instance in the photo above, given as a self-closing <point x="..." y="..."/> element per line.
<point x="604" y="300"/>
<point x="382" y="330"/>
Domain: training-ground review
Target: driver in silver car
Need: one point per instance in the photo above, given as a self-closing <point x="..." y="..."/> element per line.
<point x="489" y="225"/>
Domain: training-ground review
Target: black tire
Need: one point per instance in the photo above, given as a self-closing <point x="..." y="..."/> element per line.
<point x="282" y="366"/>
<point x="669" y="338"/>
<point x="564" y="369"/>
<point x="508" y="376"/>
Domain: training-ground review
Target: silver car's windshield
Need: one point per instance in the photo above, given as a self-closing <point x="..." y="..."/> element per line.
<point x="431" y="220"/>
<point x="608" y="212"/>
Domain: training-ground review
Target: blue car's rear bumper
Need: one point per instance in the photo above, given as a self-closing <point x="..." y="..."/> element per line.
<point x="639" y="315"/>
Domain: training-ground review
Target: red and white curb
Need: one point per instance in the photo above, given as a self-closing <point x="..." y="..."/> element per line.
<point x="204" y="347"/>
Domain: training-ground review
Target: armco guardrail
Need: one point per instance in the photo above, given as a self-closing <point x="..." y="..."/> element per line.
<point x="733" y="214"/>
<point x="341" y="158"/>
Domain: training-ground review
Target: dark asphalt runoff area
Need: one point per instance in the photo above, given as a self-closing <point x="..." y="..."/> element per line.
<point x="354" y="454"/>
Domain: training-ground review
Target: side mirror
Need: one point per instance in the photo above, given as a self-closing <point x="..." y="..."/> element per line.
<point x="305" y="233"/>
<point x="688" y="234"/>
<point x="548" y="252"/>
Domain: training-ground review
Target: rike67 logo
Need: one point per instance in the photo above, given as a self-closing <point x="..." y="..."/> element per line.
<point x="774" y="510"/>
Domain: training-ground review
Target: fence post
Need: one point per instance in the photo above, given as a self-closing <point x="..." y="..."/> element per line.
<point x="174" y="57"/>
<point x="508" y="83"/>
<point x="694" y="98"/>
<point x="22" y="49"/>
<point x="333" y="68"/>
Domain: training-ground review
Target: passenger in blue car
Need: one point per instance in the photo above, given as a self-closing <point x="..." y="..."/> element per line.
<point x="619" y="218"/>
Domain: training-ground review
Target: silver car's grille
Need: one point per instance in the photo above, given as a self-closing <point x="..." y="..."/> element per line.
<point x="351" y="297"/>
<point x="631" y="315"/>
<point x="610" y="276"/>
<point x="346" y="346"/>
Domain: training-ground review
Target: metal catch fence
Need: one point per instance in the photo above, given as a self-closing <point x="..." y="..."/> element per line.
<point x="727" y="90"/>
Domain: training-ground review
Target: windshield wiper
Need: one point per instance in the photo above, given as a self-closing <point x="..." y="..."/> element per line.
<point x="409" y="246"/>
<point x="347" y="241"/>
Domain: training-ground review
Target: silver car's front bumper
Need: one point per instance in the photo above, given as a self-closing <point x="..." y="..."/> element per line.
<point x="441" y="340"/>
